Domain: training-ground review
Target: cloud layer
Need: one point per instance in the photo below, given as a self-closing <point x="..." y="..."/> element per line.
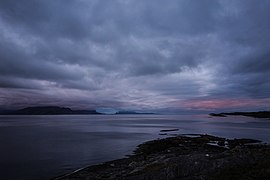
<point x="202" y="55"/>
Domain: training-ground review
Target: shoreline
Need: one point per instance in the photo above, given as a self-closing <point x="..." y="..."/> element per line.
<point x="189" y="156"/>
<point x="258" y="114"/>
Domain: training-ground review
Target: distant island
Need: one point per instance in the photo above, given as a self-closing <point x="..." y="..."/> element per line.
<point x="259" y="114"/>
<point x="131" y="112"/>
<point x="49" y="110"/>
<point x="56" y="110"/>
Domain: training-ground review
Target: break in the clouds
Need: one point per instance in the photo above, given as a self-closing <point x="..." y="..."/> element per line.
<point x="135" y="54"/>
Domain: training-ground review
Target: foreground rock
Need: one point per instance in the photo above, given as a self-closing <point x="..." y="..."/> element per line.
<point x="187" y="157"/>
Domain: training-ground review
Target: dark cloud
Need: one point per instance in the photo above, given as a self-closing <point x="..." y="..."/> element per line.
<point x="17" y="62"/>
<point x="135" y="54"/>
<point x="255" y="63"/>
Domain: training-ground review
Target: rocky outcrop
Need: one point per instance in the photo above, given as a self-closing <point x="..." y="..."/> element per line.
<point x="259" y="114"/>
<point x="186" y="157"/>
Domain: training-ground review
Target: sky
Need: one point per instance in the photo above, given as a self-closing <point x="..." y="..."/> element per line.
<point x="154" y="55"/>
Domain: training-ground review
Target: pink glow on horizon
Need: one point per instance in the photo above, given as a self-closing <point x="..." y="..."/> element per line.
<point x="226" y="103"/>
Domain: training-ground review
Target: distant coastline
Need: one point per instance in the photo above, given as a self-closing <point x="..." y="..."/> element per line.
<point x="56" y="110"/>
<point x="49" y="110"/>
<point x="131" y="112"/>
<point x="259" y="114"/>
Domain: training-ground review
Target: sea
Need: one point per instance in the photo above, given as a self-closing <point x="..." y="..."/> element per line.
<point x="47" y="146"/>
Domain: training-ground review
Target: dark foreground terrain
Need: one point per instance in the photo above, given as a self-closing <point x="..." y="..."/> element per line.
<point x="186" y="157"/>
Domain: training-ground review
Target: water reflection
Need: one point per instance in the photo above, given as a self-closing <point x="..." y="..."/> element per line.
<point x="41" y="147"/>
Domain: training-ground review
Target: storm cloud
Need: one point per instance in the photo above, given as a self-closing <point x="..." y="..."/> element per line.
<point x="135" y="54"/>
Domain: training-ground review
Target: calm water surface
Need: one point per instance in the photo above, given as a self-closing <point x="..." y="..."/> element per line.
<point x="43" y="147"/>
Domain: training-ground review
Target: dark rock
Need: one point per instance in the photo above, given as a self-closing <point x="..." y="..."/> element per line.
<point x="168" y="130"/>
<point x="183" y="157"/>
<point x="260" y="114"/>
<point x="217" y="115"/>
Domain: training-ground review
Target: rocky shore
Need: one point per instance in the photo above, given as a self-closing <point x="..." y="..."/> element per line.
<point x="187" y="157"/>
<point x="259" y="114"/>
